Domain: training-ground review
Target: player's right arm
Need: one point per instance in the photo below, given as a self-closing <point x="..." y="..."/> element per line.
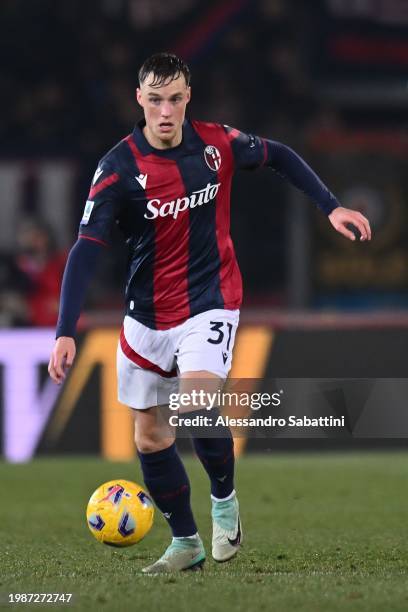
<point x="101" y="210"/>
<point x="62" y="357"/>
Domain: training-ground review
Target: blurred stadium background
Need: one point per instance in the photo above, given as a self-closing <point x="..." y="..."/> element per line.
<point x="328" y="78"/>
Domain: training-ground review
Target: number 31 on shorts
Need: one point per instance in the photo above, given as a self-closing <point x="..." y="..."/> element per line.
<point x="218" y="328"/>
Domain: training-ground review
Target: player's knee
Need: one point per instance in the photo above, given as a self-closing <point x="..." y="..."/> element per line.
<point x="152" y="432"/>
<point x="146" y="446"/>
<point x="152" y="443"/>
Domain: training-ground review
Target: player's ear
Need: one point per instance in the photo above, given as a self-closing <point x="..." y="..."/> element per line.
<point x="188" y="94"/>
<point x="139" y="97"/>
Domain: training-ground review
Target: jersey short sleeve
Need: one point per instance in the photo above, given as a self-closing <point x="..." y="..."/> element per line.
<point x="103" y="204"/>
<point x="249" y="151"/>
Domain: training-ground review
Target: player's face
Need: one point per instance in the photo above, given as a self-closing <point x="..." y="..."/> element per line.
<point x="164" y="109"/>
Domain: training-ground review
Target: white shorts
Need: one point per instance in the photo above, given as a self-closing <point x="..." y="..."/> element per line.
<point x="149" y="361"/>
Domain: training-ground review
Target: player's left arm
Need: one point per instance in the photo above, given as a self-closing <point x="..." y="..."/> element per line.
<point x="286" y="162"/>
<point x="252" y="152"/>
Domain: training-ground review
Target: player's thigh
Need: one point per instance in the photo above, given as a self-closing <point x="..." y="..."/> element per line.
<point x="142" y="388"/>
<point x="206" y="344"/>
<point x="198" y="386"/>
<point x="205" y="354"/>
<point x="148" y="394"/>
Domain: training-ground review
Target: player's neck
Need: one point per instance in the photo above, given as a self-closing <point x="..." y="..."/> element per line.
<point x="157" y="143"/>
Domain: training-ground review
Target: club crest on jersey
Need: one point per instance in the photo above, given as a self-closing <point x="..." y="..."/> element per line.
<point x="212" y="157"/>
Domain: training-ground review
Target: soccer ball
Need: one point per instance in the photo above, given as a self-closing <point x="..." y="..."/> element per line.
<point x="119" y="513"/>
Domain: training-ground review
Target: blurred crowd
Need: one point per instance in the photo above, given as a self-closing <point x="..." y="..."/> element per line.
<point x="30" y="277"/>
<point x="68" y="85"/>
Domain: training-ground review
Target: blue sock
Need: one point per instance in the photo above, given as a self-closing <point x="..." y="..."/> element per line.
<point x="168" y="484"/>
<point x="217" y="457"/>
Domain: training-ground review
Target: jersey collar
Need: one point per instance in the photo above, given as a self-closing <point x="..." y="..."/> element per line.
<point x="190" y="142"/>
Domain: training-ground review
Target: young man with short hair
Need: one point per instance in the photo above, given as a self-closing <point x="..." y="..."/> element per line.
<point x="167" y="185"/>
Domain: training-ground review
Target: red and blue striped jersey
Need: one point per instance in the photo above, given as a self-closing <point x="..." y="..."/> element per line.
<point x="173" y="207"/>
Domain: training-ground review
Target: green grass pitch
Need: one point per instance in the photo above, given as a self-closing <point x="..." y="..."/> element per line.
<point x="322" y="533"/>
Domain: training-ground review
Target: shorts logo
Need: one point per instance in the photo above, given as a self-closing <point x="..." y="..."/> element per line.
<point x="212" y="157"/>
<point x="87" y="212"/>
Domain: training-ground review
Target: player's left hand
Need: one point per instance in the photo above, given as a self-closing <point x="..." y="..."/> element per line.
<point x="341" y="217"/>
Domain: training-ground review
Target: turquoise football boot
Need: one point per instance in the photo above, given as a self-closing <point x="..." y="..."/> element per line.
<point x="182" y="554"/>
<point x="227" y="529"/>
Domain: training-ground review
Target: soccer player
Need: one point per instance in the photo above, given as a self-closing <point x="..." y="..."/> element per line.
<point x="167" y="185"/>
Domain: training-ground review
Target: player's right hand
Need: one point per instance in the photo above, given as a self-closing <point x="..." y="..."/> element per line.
<point x="61" y="358"/>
